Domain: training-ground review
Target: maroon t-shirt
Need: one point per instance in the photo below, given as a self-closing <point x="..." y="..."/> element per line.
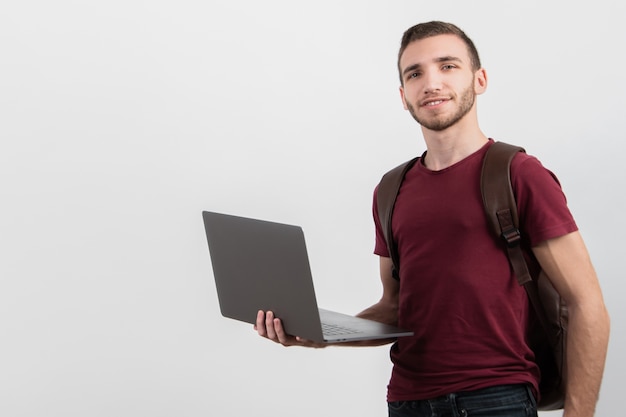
<point x="457" y="291"/>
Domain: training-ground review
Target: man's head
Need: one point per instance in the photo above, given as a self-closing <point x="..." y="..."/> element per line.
<point x="440" y="76"/>
<point x="435" y="28"/>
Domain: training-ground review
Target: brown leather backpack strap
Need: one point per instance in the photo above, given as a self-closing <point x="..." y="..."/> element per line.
<point x="501" y="209"/>
<point x="500" y="204"/>
<point x="387" y="192"/>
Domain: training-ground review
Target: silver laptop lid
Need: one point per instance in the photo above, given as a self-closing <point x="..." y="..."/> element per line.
<point x="261" y="265"/>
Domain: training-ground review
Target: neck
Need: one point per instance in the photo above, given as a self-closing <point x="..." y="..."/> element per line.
<point x="446" y="148"/>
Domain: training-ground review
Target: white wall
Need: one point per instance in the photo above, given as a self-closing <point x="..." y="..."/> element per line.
<point x="121" y="121"/>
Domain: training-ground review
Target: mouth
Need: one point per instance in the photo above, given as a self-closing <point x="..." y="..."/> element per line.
<point x="434" y="102"/>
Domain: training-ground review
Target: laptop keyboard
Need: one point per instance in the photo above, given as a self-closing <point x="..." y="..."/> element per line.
<point x="333" y="330"/>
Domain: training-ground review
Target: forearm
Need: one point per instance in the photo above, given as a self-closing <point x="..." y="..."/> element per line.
<point x="386" y="310"/>
<point x="587" y="343"/>
<point x="382" y="312"/>
<point x="566" y="261"/>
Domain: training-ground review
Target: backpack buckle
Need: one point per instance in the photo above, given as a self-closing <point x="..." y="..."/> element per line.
<point x="511" y="236"/>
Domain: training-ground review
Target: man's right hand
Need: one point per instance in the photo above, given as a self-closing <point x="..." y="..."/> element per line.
<point x="271" y="327"/>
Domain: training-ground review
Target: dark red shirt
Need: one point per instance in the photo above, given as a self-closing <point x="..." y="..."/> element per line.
<point x="457" y="291"/>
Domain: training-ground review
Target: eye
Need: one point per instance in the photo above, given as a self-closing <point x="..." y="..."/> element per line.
<point x="448" y="66"/>
<point x="413" y="75"/>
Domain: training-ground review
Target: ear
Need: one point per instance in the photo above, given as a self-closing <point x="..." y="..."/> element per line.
<point x="403" y="98"/>
<point x="480" y="81"/>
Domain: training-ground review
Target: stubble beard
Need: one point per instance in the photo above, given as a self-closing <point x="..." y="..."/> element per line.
<point x="439" y="123"/>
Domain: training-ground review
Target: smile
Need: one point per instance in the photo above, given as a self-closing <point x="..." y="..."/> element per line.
<point x="433" y="103"/>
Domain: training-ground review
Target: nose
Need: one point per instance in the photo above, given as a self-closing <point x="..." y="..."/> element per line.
<point x="432" y="82"/>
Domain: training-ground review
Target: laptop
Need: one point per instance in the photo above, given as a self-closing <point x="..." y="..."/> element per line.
<point x="262" y="265"/>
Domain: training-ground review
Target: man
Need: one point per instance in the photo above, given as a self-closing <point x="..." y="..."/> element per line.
<point x="456" y="290"/>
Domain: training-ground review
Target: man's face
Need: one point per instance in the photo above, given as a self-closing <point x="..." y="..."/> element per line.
<point x="439" y="85"/>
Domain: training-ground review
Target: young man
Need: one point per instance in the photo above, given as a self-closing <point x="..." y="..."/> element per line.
<point x="456" y="291"/>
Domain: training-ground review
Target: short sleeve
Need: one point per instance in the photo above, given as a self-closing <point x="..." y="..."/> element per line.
<point x="380" y="247"/>
<point x="541" y="203"/>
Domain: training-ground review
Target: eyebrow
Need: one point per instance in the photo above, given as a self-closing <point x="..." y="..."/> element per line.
<point x="448" y="58"/>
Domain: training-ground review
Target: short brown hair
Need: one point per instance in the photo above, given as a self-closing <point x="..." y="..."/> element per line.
<point x="435" y="28"/>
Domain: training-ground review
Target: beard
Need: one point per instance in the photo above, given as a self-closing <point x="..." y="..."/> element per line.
<point x="439" y="123"/>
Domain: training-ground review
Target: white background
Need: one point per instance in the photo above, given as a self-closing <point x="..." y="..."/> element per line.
<point x="121" y="121"/>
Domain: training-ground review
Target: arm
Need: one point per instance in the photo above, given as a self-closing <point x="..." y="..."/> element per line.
<point x="385" y="311"/>
<point x="566" y="261"/>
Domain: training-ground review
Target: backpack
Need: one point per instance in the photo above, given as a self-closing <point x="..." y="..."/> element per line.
<point x="547" y="334"/>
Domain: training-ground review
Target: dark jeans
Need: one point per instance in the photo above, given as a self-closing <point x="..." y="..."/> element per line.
<point x="500" y="401"/>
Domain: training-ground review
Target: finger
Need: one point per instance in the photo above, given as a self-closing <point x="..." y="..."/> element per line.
<point x="309" y="343"/>
<point x="283" y="337"/>
<point x="269" y="326"/>
<point x="260" y="324"/>
<point x="287" y="339"/>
